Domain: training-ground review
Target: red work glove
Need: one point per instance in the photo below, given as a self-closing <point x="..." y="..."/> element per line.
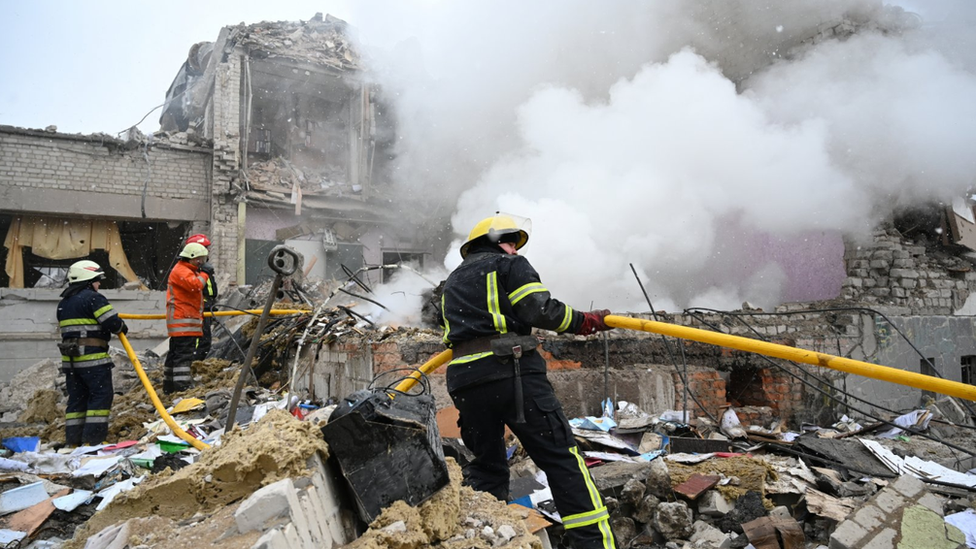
<point x="593" y="322"/>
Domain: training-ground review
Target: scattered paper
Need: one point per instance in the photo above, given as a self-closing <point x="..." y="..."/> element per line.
<point x="688" y="458"/>
<point x="109" y="493"/>
<point x="13" y="465"/>
<point x="10" y="536"/>
<point x="591" y="423"/>
<point x="607" y="456"/>
<point x="22" y="497"/>
<point x="72" y="501"/>
<point x="917" y="418"/>
<point x="965" y="521"/>
<point x="96" y="466"/>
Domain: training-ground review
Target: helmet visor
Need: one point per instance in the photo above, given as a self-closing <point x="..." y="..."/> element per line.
<point x="505" y="227"/>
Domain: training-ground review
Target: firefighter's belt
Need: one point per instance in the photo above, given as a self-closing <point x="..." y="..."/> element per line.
<point x="472" y="346"/>
<point x="90" y="342"/>
<point x="72" y="347"/>
<point x="505" y="346"/>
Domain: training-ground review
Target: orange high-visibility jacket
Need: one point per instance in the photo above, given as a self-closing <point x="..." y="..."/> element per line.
<point x="184" y="300"/>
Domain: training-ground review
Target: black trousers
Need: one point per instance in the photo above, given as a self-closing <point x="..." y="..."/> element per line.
<point x="486" y="408"/>
<point x="203" y="345"/>
<point x="90" y="397"/>
<point x="176" y="369"/>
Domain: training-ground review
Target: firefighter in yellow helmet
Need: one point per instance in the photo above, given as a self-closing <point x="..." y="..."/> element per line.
<point x="497" y="378"/>
<point x="87" y="322"/>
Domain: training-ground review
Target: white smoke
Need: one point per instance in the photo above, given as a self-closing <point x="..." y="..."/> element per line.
<point x="674" y="136"/>
<point x="402" y="296"/>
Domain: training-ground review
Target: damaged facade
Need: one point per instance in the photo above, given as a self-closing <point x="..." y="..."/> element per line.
<point x="269" y="135"/>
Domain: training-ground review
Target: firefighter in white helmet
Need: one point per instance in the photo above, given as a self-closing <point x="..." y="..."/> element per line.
<point x="184" y="316"/>
<point x="87" y="322"/>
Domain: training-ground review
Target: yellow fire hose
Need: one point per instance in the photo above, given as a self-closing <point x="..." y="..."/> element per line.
<point x="866" y="369"/>
<point x="128" y="316"/>
<point x="198" y="444"/>
<point x="428" y="367"/>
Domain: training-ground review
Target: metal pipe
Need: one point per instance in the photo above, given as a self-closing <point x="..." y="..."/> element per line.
<point x="866" y="369"/>
<point x="251" y="351"/>
<point x="129" y="316"/>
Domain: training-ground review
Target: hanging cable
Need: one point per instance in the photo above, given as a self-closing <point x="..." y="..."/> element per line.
<point x="674" y="361"/>
<point x="964" y="403"/>
<point x="834" y="398"/>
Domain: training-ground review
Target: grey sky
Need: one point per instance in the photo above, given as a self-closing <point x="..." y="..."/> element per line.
<point x="100" y="66"/>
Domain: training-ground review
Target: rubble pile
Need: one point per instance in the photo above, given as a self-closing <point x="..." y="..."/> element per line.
<point x="319" y="40"/>
<point x="672" y="485"/>
<point x="280" y="176"/>
<point x="274" y="448"/>
<point x="455" y="517"/>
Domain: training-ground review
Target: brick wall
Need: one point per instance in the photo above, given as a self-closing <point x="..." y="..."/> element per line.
<point x="34" y="161"/>
<point x="707" y="385"/>
<point x="226" y="113"/>
<point x="892" y="270"/>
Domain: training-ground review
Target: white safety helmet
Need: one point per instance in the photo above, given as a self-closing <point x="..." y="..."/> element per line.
<point x="83" y="271"/>
<point x="194" y="250"/>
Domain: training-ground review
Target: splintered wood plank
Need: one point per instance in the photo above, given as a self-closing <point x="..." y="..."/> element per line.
<point x="533" y="518"/>
<point x="761" y="533"/>
<point x="30" y="519"/>
<point x="696" y="485"/>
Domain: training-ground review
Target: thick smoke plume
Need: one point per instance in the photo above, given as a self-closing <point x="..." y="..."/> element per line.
<point x="723" y="149"/>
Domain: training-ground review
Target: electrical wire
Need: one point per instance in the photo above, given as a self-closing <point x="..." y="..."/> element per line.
<point x="364" y="298"/>
<point x="835" y="399"/>
<point x="674" y="361"/>
<point x="423" y="380"/>
<point x="737" y="315"/>
<point x="354" y="314"/>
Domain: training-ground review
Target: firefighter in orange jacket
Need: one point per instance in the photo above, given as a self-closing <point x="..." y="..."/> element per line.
<point x="184" y="316"/>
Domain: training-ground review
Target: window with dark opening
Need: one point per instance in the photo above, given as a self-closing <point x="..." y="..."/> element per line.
<point x="968" y="371"/>
<point x="927" y="367"/>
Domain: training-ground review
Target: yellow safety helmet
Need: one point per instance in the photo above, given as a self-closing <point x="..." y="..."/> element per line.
<point x="85" y="270"/>
<point x="496" y="227"/>
<point x="194" y="250"/>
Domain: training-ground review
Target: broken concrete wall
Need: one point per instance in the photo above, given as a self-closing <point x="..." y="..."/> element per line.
<point x="641" y="370"/>
<point x="30" y="327"/>
<point x="895" y="271"/>
<point x="225" y="231"/>
<point x="97" y="175"/>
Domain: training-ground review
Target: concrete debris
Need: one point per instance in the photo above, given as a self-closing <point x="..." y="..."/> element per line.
<point x="278" y="177"/>
<point x="15" y="395"/>
<point x="320" y="40"/>
<point x="668" y="480"/>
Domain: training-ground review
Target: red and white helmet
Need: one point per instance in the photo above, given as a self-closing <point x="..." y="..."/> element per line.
<point x="83" y="271"/>
<point x="199" y="239"/>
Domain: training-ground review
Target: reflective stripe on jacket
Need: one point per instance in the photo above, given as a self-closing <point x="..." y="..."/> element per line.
<point x="492" y="293"/>
<point x="87" y="314"/>
<point x="184" y="300"/>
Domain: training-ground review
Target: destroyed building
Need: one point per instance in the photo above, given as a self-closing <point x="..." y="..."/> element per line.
<point x="271" y="134"/>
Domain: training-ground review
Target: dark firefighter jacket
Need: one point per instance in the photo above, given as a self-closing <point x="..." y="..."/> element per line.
<point x="491" y="294"/>
<point x="210" y="291"/>
<point x="85" y="313"/>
